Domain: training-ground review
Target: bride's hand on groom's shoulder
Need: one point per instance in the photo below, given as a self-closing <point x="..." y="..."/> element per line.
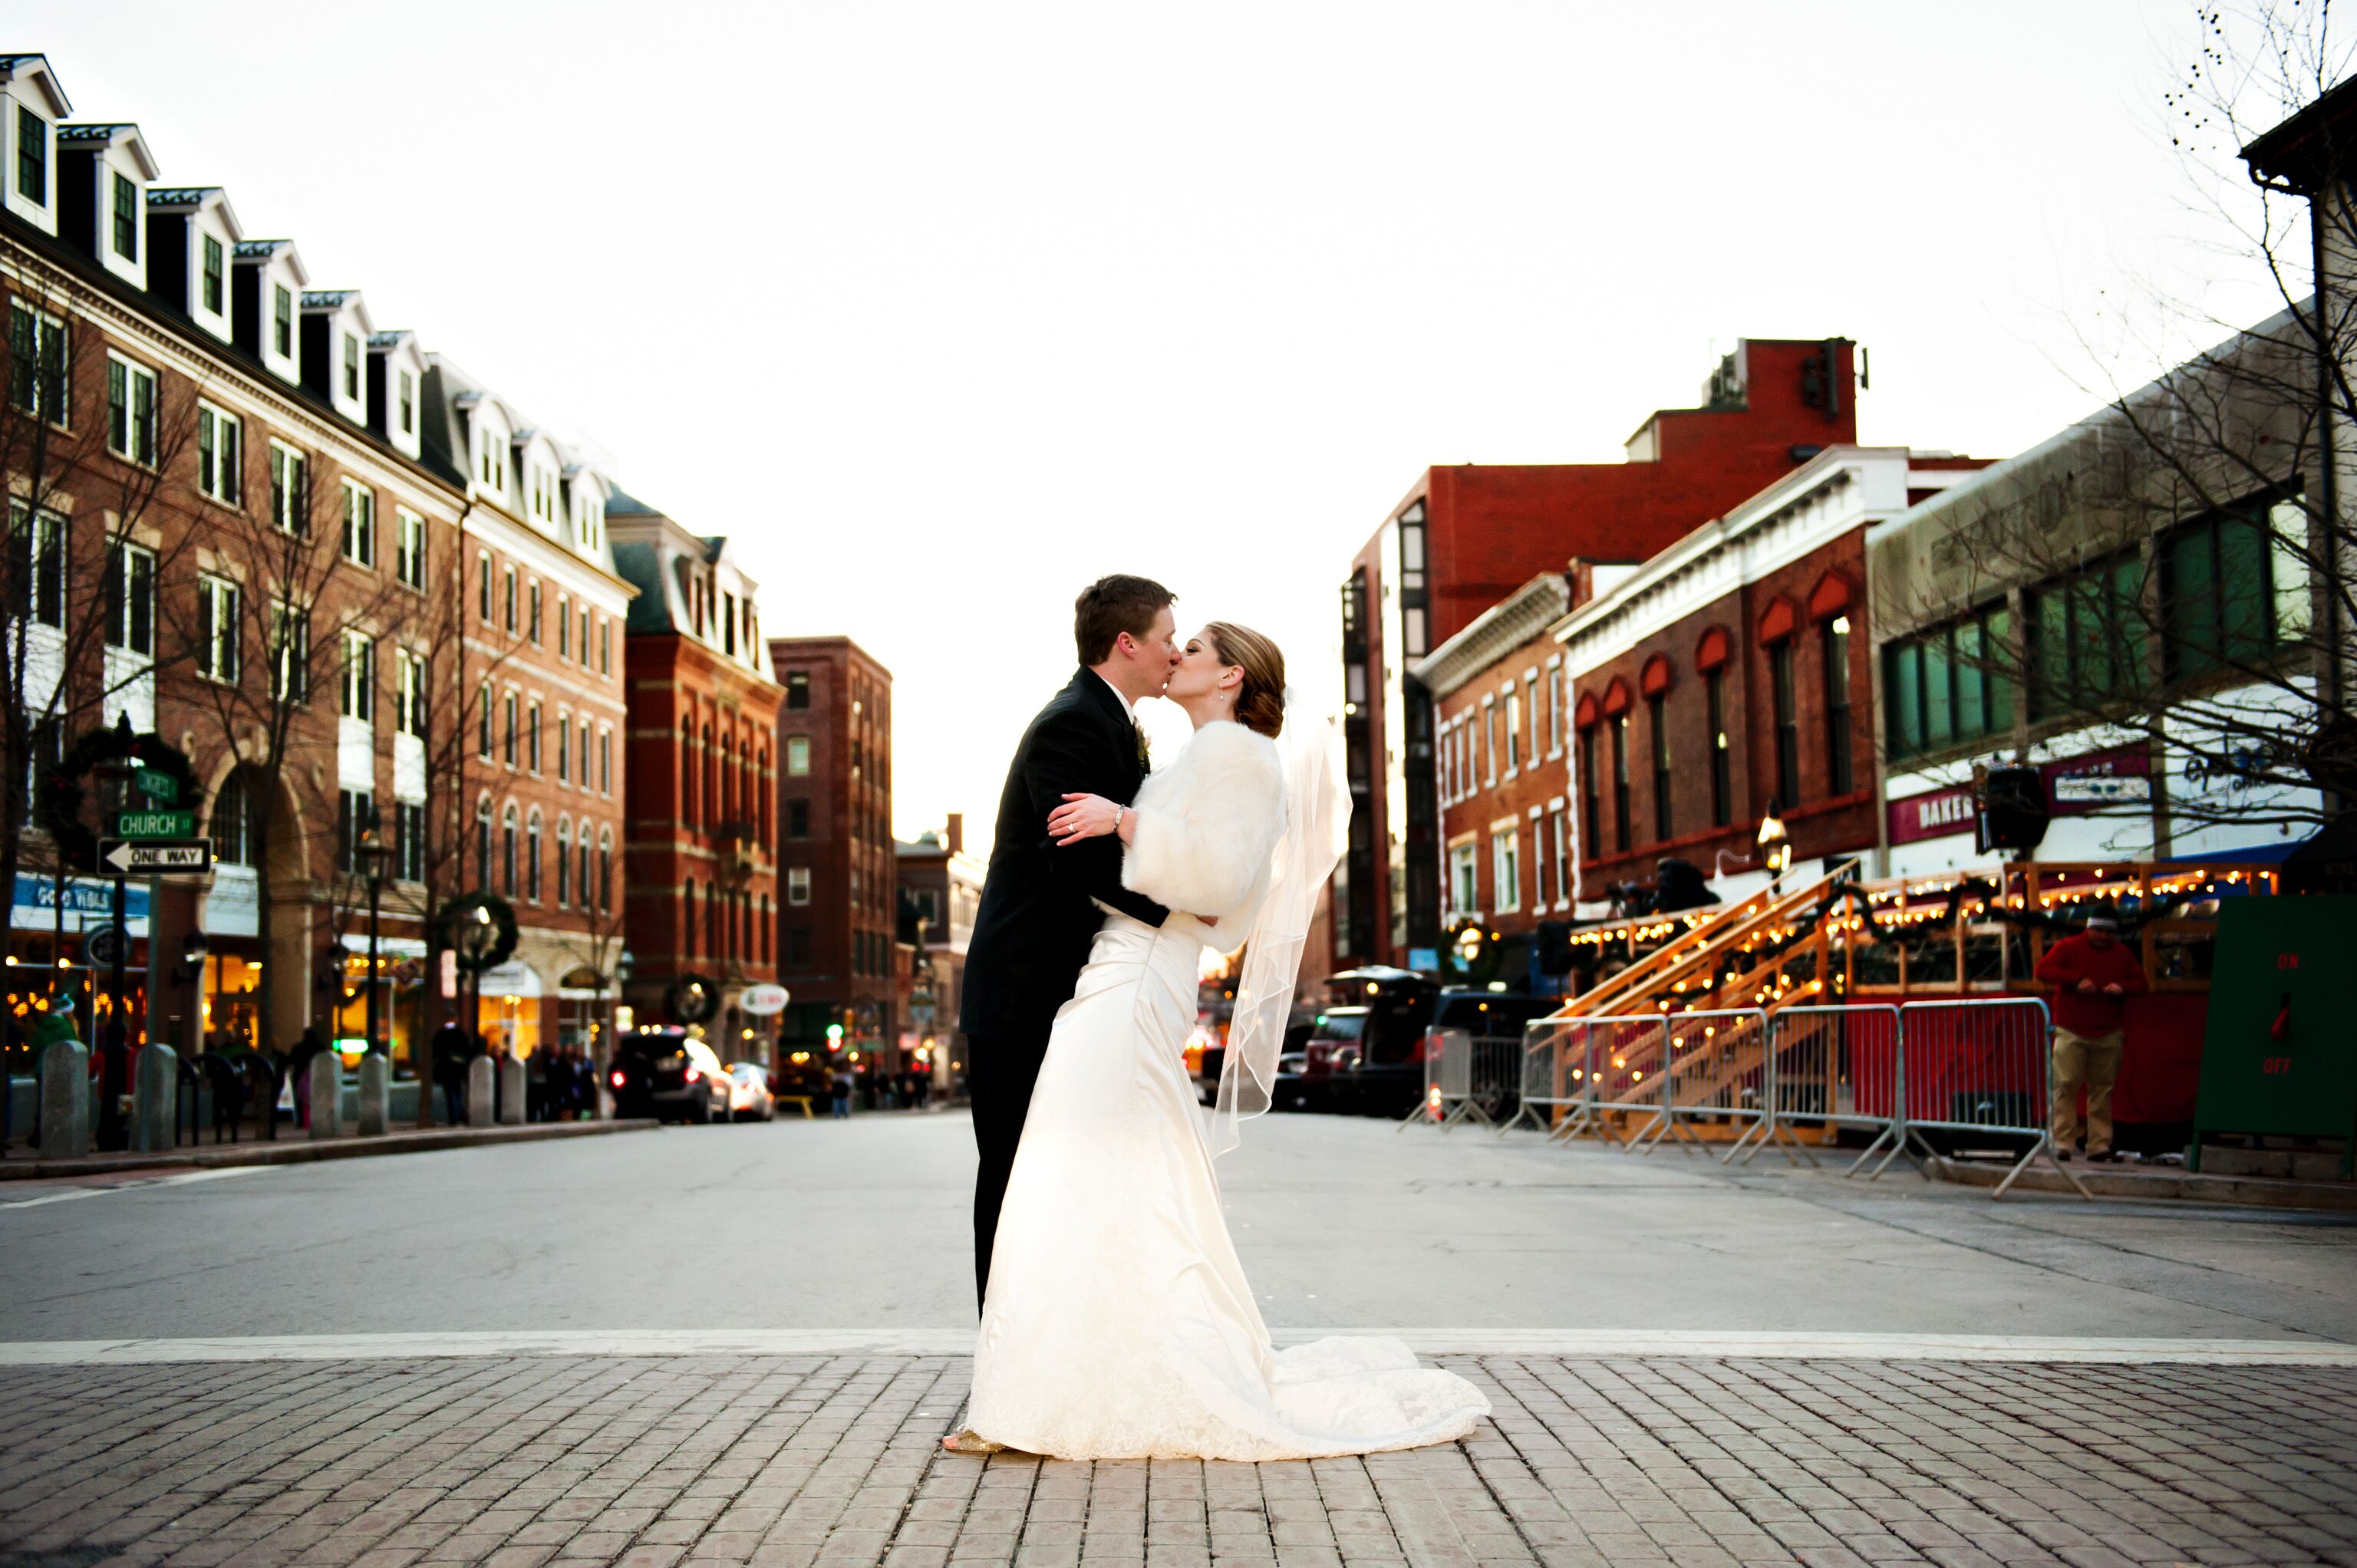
<point x="1083" y="817"/>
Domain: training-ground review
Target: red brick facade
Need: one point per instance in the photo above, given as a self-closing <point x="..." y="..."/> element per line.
<point x="1466" y="537"/>
<point x="835" y="924"/>
<point x="703" y="867"/>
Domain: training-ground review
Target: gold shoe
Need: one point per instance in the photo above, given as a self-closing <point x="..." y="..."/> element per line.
<point x="965" y="1440"/>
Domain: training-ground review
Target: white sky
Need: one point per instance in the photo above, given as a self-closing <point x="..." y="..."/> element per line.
<point x="942" y="309"/>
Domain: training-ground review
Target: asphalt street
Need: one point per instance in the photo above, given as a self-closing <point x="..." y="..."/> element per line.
<point x="1341" y="1223"/>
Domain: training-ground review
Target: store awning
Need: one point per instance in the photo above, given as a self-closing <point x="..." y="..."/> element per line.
<point x="386" y="947"/>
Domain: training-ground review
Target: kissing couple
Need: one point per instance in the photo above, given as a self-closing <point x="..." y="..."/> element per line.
<point x="1116" y="1321"/>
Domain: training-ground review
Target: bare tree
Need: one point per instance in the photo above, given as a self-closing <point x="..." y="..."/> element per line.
<point x="89" y="447"/>
<point x="2175" y="572"/>
<point x="281" y="635"/>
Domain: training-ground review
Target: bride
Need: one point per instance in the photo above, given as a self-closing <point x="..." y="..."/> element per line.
<point x="1117" y="1322"/>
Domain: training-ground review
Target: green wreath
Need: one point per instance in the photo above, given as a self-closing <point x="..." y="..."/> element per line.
<point x="58" y="791"/>
<point x="456" y="920"/>
<point x="691" y="998"/>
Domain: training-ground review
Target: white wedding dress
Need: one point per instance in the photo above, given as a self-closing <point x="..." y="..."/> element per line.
<point x="1118" y="1322"/>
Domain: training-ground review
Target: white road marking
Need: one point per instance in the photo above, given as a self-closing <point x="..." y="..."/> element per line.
<point x="68" y="1194"/>
<point x="1618" y="1343"/>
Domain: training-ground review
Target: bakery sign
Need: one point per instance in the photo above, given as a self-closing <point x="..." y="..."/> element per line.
<point x="2074" y="787"/>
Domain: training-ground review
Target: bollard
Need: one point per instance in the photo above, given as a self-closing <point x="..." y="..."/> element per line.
<point x="376" y="1094"/>
<point x="478" y="1093"/>
<point x="156" y="1099"/>
<point x="512" y="1090"/>
<point x="65" y="1100"/>
<point x="327" y="1082"/>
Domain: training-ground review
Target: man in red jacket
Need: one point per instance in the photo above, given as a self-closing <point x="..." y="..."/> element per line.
<point x="2094" y="976"/>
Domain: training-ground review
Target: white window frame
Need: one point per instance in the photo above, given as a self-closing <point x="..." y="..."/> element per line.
<point x="1514" y="730"/>
<point x="1464" y="881"/>
<point x="359" y="524"/>
<point x="137" y="441"/>
<point x="227" y="459"/>
<point x="291" y="676"/>
<point x="409" y="547"/>
<point x="122" y="551"/>
<point x="290" y="469"/>
<point x="218" y="660"/>
<point x="798" y="751"/>
<point x="357" y="678"/>
<point x="1506" y="867"/>
<point x="798" y="886"/>
<point x="409" y="718"/>
<point x="1555" y="707"/>
<point x="354" y="382"/>
<point x="46" y="328"/>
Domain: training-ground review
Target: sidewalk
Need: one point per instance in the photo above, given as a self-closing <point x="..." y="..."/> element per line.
<point x="784" y="1460"/>
<point x="294" y="1146"/>
<point x="2159" y="1183"/>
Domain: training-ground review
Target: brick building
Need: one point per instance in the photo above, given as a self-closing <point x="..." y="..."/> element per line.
<point x="836" y="920"/>
<point x="537" y="809"/>
<point x="703" y="831"/>
<point x="941" y="890"/>
<point x="1608" y="715"/>
<point x="367" y="598"/>
<point x="1464" y="538"/>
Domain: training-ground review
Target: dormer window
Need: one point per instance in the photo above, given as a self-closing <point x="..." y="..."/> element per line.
<point x="126" y="219"/>
<point x="216" y="267"/>
<point x="408" y="404"/>
<point x="281" y="320"/>
<point x="351" y="368"/>
<point x="32" y="158"/>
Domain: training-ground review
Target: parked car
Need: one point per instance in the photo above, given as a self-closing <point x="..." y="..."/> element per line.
<point x="1215" y="1059"/>
<point x="664" y="1072"/>
<point x="749" y="1093"/>
<point x="1385" y="1076"/>
<point x="1304" y="1077"/>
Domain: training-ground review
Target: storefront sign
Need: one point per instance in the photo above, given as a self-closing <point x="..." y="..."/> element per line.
<point x="761" y="1001"/>
<point x="2074" y="787"/>
<point x="88" y="901"/>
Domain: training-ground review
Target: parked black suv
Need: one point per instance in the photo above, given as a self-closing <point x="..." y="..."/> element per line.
<point x="659" y="1071"/>
<point x="1384" y="1075"/>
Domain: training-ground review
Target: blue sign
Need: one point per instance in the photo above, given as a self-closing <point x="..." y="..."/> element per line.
<point x="1424" y="961"/>
<point x="88" y="901"/>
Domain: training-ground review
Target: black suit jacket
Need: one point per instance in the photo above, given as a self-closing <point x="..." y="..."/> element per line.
<point x="1032" y="934"/>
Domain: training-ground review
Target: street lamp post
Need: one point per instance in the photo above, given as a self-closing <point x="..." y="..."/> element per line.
<point x="1775" y="844"/>
<point x="370" y="852"/>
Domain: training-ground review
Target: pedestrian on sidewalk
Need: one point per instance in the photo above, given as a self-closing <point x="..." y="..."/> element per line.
<point x="2094" y="974"/>
<point x="450" y="1056"/>
<point x="298" y="1065"/>
<point x="842" y="1087"/>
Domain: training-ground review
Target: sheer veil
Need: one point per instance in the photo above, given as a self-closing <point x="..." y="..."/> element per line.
<point x="1317" y="831"/>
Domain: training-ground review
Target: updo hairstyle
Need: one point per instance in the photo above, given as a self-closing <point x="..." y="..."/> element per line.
<point x="1260" y="705"/>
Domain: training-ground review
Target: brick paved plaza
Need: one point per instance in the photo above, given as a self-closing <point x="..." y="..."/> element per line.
<point x="518" y="1462"/>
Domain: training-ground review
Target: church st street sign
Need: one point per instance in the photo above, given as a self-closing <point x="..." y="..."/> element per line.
<point x="154" y="824"/>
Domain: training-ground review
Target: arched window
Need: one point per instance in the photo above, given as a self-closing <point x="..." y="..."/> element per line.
<point x="230" y="823"/>
<point x="687" y="921"/>
<point x="605" y="868"/>
<point x="483" y="842"/>
<point x="745" y="792"/>
<point x="508" y="853"/>
<point x="531" y="859"/>
<point x="588" y="898"/>
<point x="711" y="917"/>
<point x="564" y="863"/>
<point x="765" y="928"/>
<point x="711" y="771"/>
<point x="766" y="795"/>
<point x="688" y="779"/>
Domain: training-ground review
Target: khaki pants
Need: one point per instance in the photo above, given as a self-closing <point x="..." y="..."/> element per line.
<point x="2094" y="1062"/>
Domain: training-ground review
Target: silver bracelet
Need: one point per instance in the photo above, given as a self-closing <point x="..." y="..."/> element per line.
<point x="1117" y="811"/>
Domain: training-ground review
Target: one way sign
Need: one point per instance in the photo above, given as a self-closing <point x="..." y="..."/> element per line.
<point x="131" y="857"/>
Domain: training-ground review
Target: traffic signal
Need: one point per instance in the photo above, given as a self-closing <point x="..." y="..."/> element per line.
<point x="834" y="1036"/>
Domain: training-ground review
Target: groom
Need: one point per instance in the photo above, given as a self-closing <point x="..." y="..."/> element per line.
<point x="1041" y="905"/>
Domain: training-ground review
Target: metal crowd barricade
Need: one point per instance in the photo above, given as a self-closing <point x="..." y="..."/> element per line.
<point x="1980" y="1066"/>
<point x="1433" y="1105"/>
<point x="1835" y="1066"/>
<point x="1719" y="1068"/>
<point x="1556" y="1059"/>
<point x="1463" y="1075"/>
